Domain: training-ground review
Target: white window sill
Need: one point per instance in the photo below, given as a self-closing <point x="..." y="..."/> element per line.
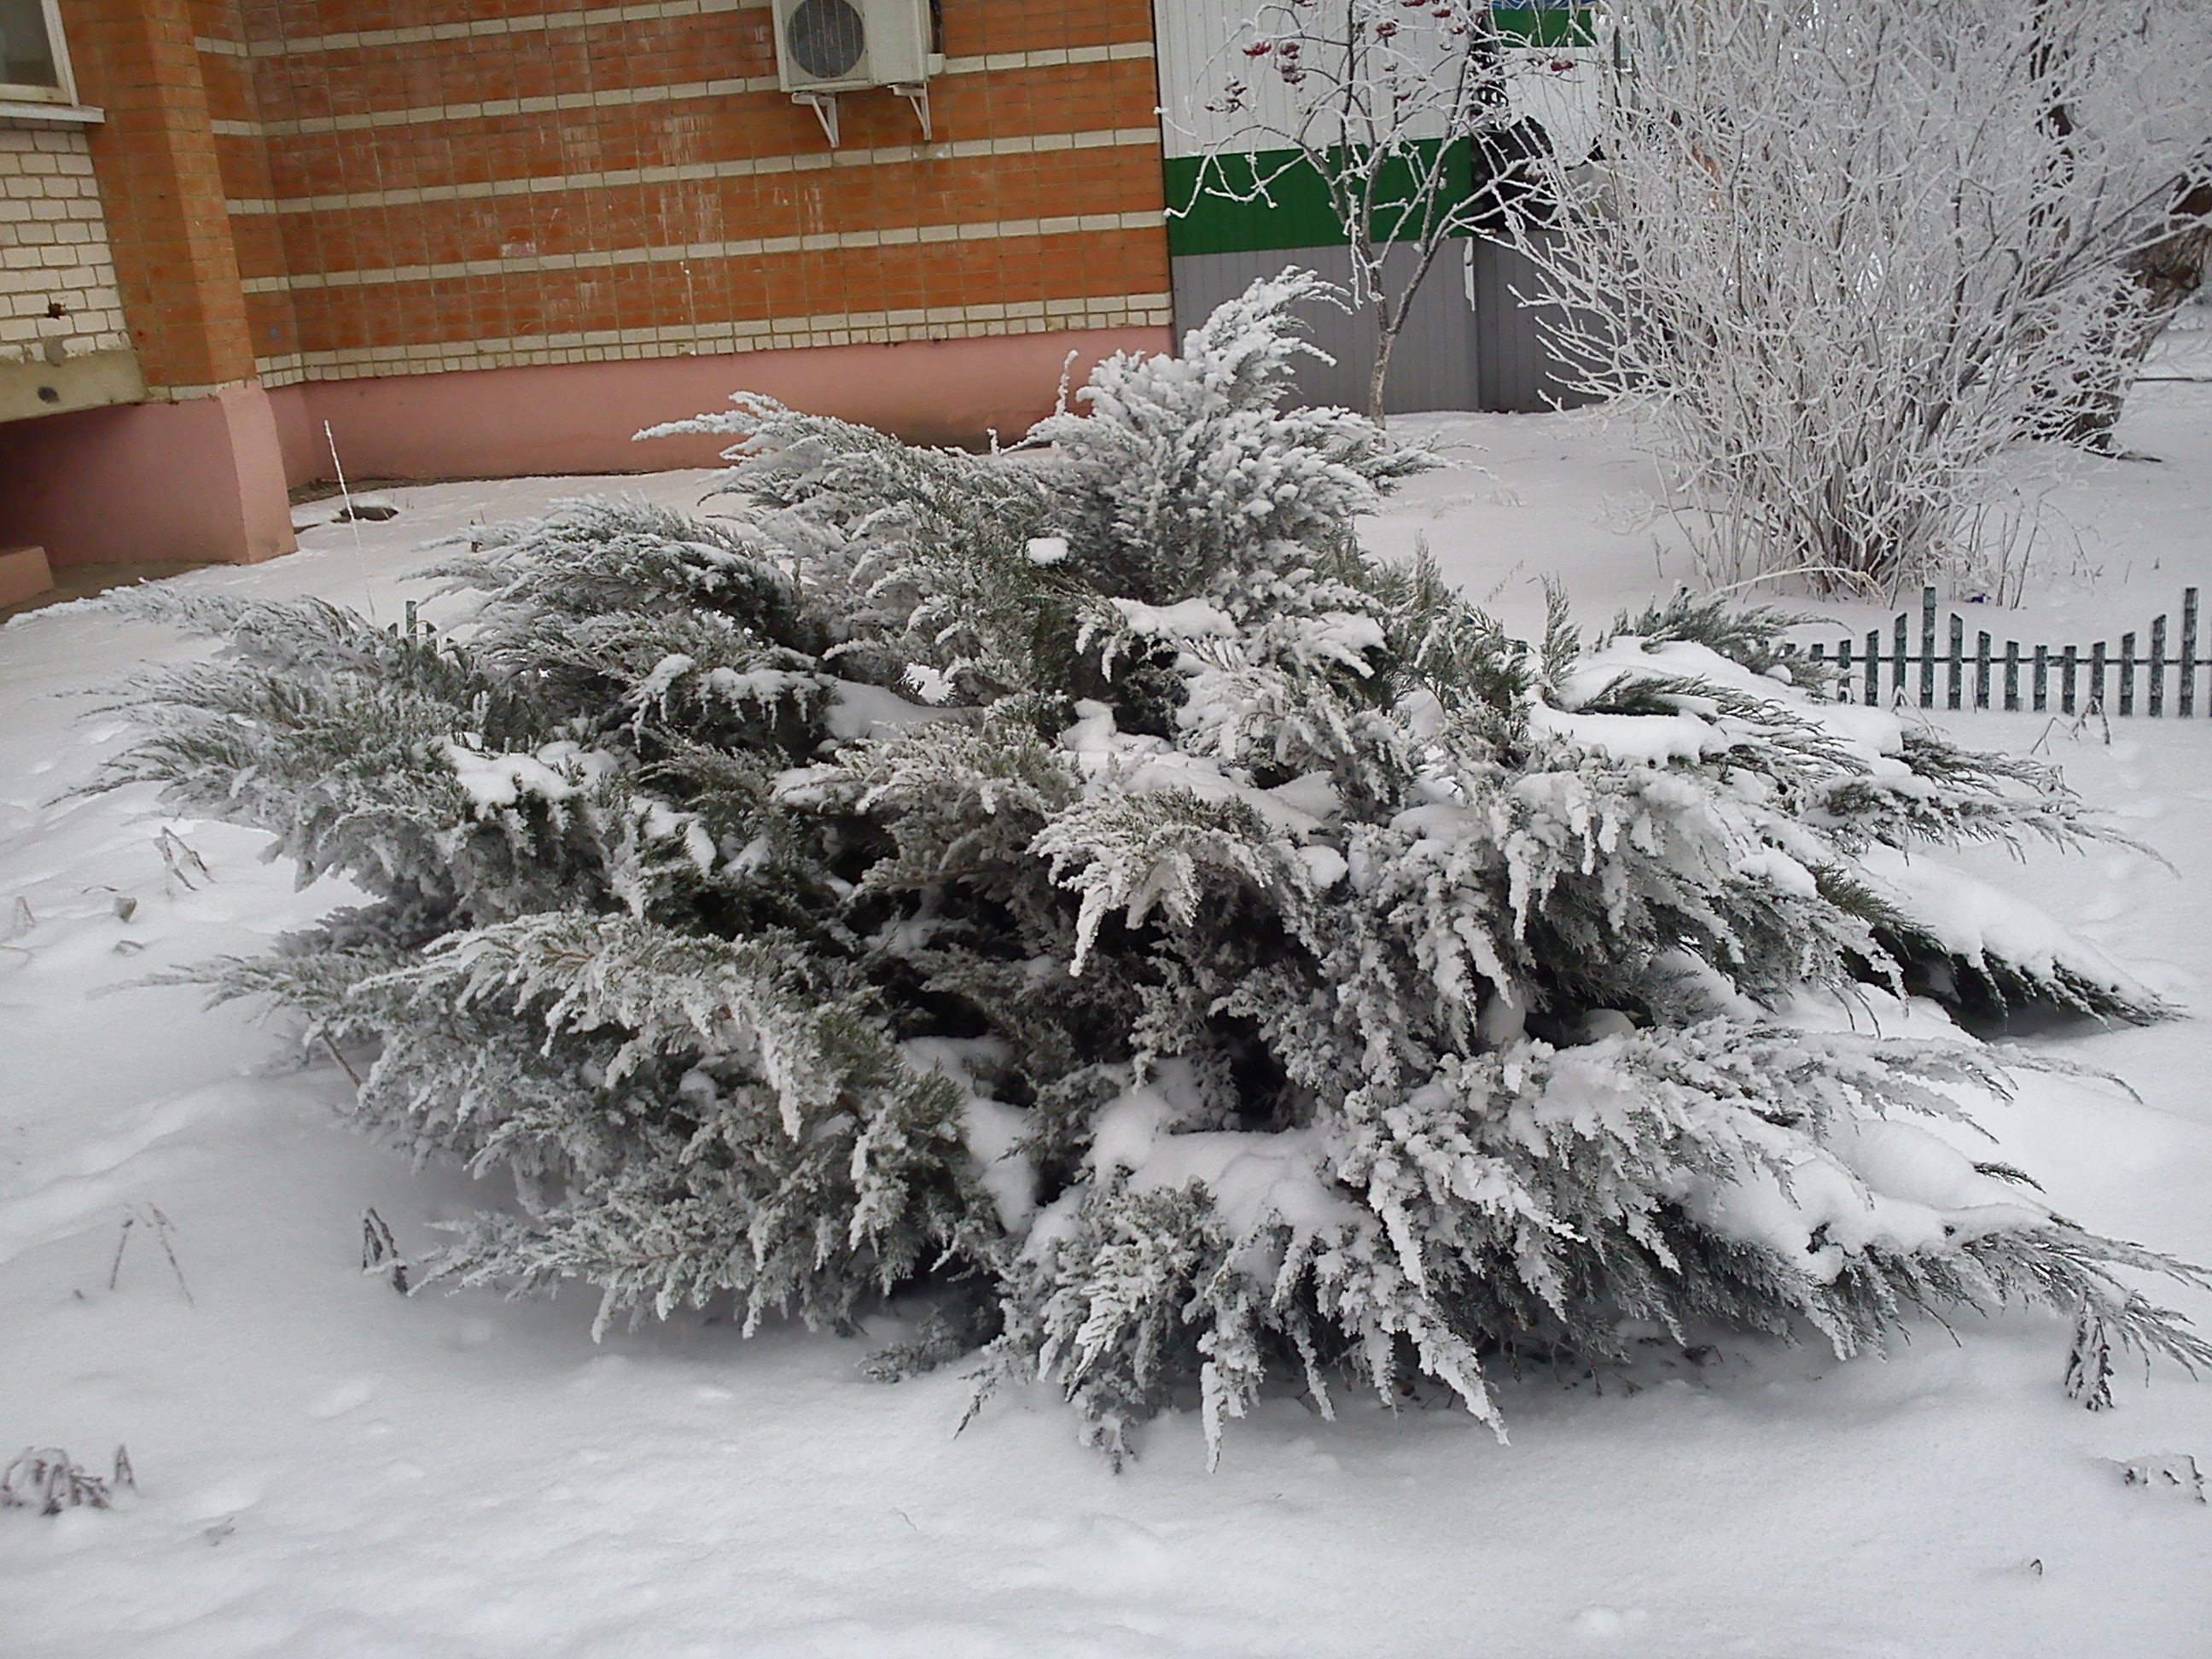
<point x="65" y="114"/>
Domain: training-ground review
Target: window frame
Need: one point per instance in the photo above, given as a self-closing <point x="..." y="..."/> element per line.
<point x="65" y="94"/>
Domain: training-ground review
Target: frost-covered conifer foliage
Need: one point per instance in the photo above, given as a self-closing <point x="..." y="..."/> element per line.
<point x="1084" y="873"/>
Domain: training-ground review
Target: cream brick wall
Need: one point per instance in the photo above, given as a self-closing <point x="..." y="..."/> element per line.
<point x="53" y="248"/>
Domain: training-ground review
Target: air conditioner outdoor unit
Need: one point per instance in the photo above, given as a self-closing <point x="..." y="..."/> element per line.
<point x="823" y="47"/>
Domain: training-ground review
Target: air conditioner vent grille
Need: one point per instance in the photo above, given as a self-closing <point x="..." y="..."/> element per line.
<point x="825" y="37"/>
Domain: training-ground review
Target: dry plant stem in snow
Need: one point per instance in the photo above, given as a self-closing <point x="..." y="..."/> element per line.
<point x="46" y="1481"/>
<point x="1089" y="879"/>
<point x="1853" y="250"/>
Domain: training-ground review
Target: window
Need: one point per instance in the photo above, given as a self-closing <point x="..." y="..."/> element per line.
<point x="33" y="63"/>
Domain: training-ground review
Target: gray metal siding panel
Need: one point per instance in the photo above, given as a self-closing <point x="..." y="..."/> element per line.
<point x="1491" y="355"/>
<point x="1519" y="371"/>
<point x="1432" y="366"/>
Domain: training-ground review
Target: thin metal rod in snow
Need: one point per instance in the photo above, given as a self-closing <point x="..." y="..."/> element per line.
<point x="345" y="491"/>
<point x="2138" y="681"/>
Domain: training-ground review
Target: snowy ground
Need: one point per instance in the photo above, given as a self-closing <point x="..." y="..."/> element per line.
<point x="330" y="1470"/>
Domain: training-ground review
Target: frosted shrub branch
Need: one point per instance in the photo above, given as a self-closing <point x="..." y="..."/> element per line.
<point x="1085" y="884"/>
<point x="1853" y="250"/>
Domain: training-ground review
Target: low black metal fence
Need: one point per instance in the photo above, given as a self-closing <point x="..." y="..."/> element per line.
<point x="2019" y="677"/>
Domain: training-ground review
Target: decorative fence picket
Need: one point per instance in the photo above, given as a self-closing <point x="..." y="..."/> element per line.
<point x="1951" y="679"/>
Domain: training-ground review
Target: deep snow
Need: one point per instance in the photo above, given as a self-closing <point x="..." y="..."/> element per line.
<point x="329" y="1469"/>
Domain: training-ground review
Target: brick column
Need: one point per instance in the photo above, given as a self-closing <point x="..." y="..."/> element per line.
<point x="158" y="176"/>
<point x="200" y="459"/>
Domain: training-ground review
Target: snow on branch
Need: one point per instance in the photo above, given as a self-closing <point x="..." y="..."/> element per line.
<point x="1251" y="964"/>
<point x="1852" y="251"/>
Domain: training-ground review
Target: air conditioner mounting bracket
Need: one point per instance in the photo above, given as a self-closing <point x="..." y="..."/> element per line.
<point x="824" y="105"/>
<point x="917" y="94"/>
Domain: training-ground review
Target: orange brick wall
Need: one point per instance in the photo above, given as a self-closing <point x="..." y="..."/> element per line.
<point x="412" y="186"/>
<point x="163" y="188"/>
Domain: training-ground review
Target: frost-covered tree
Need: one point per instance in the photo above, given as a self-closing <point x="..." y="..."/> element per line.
<point x="1385" y="109"/>
<point x="1853" y="249"/>
<point x="1087" y="876"/>
<point x="2162" y="274"/>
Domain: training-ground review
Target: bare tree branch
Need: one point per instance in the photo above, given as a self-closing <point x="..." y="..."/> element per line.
<point x="1853" y="250"/>
<point x="1386" y="103"/>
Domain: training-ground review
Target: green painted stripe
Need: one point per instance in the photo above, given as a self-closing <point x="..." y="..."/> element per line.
<point x="1544" y="25"/>
<point x="1203" y="219"/>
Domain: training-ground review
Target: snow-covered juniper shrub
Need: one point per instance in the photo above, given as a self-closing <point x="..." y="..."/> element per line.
<point x="1085" y="871"/>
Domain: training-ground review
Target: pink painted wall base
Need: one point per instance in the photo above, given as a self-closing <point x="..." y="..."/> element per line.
<point x="24" y="574"/>
<point x="197" y="481"/>
<point x="578" y="417"/>
<point x="206" y="479"/>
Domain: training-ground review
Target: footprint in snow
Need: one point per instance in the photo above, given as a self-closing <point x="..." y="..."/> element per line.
<point x="222" y="1500"/>
<point x="1607" y="1624"/>
<point x="349" y="1395"/>
<point x="1106" y="1555"/>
